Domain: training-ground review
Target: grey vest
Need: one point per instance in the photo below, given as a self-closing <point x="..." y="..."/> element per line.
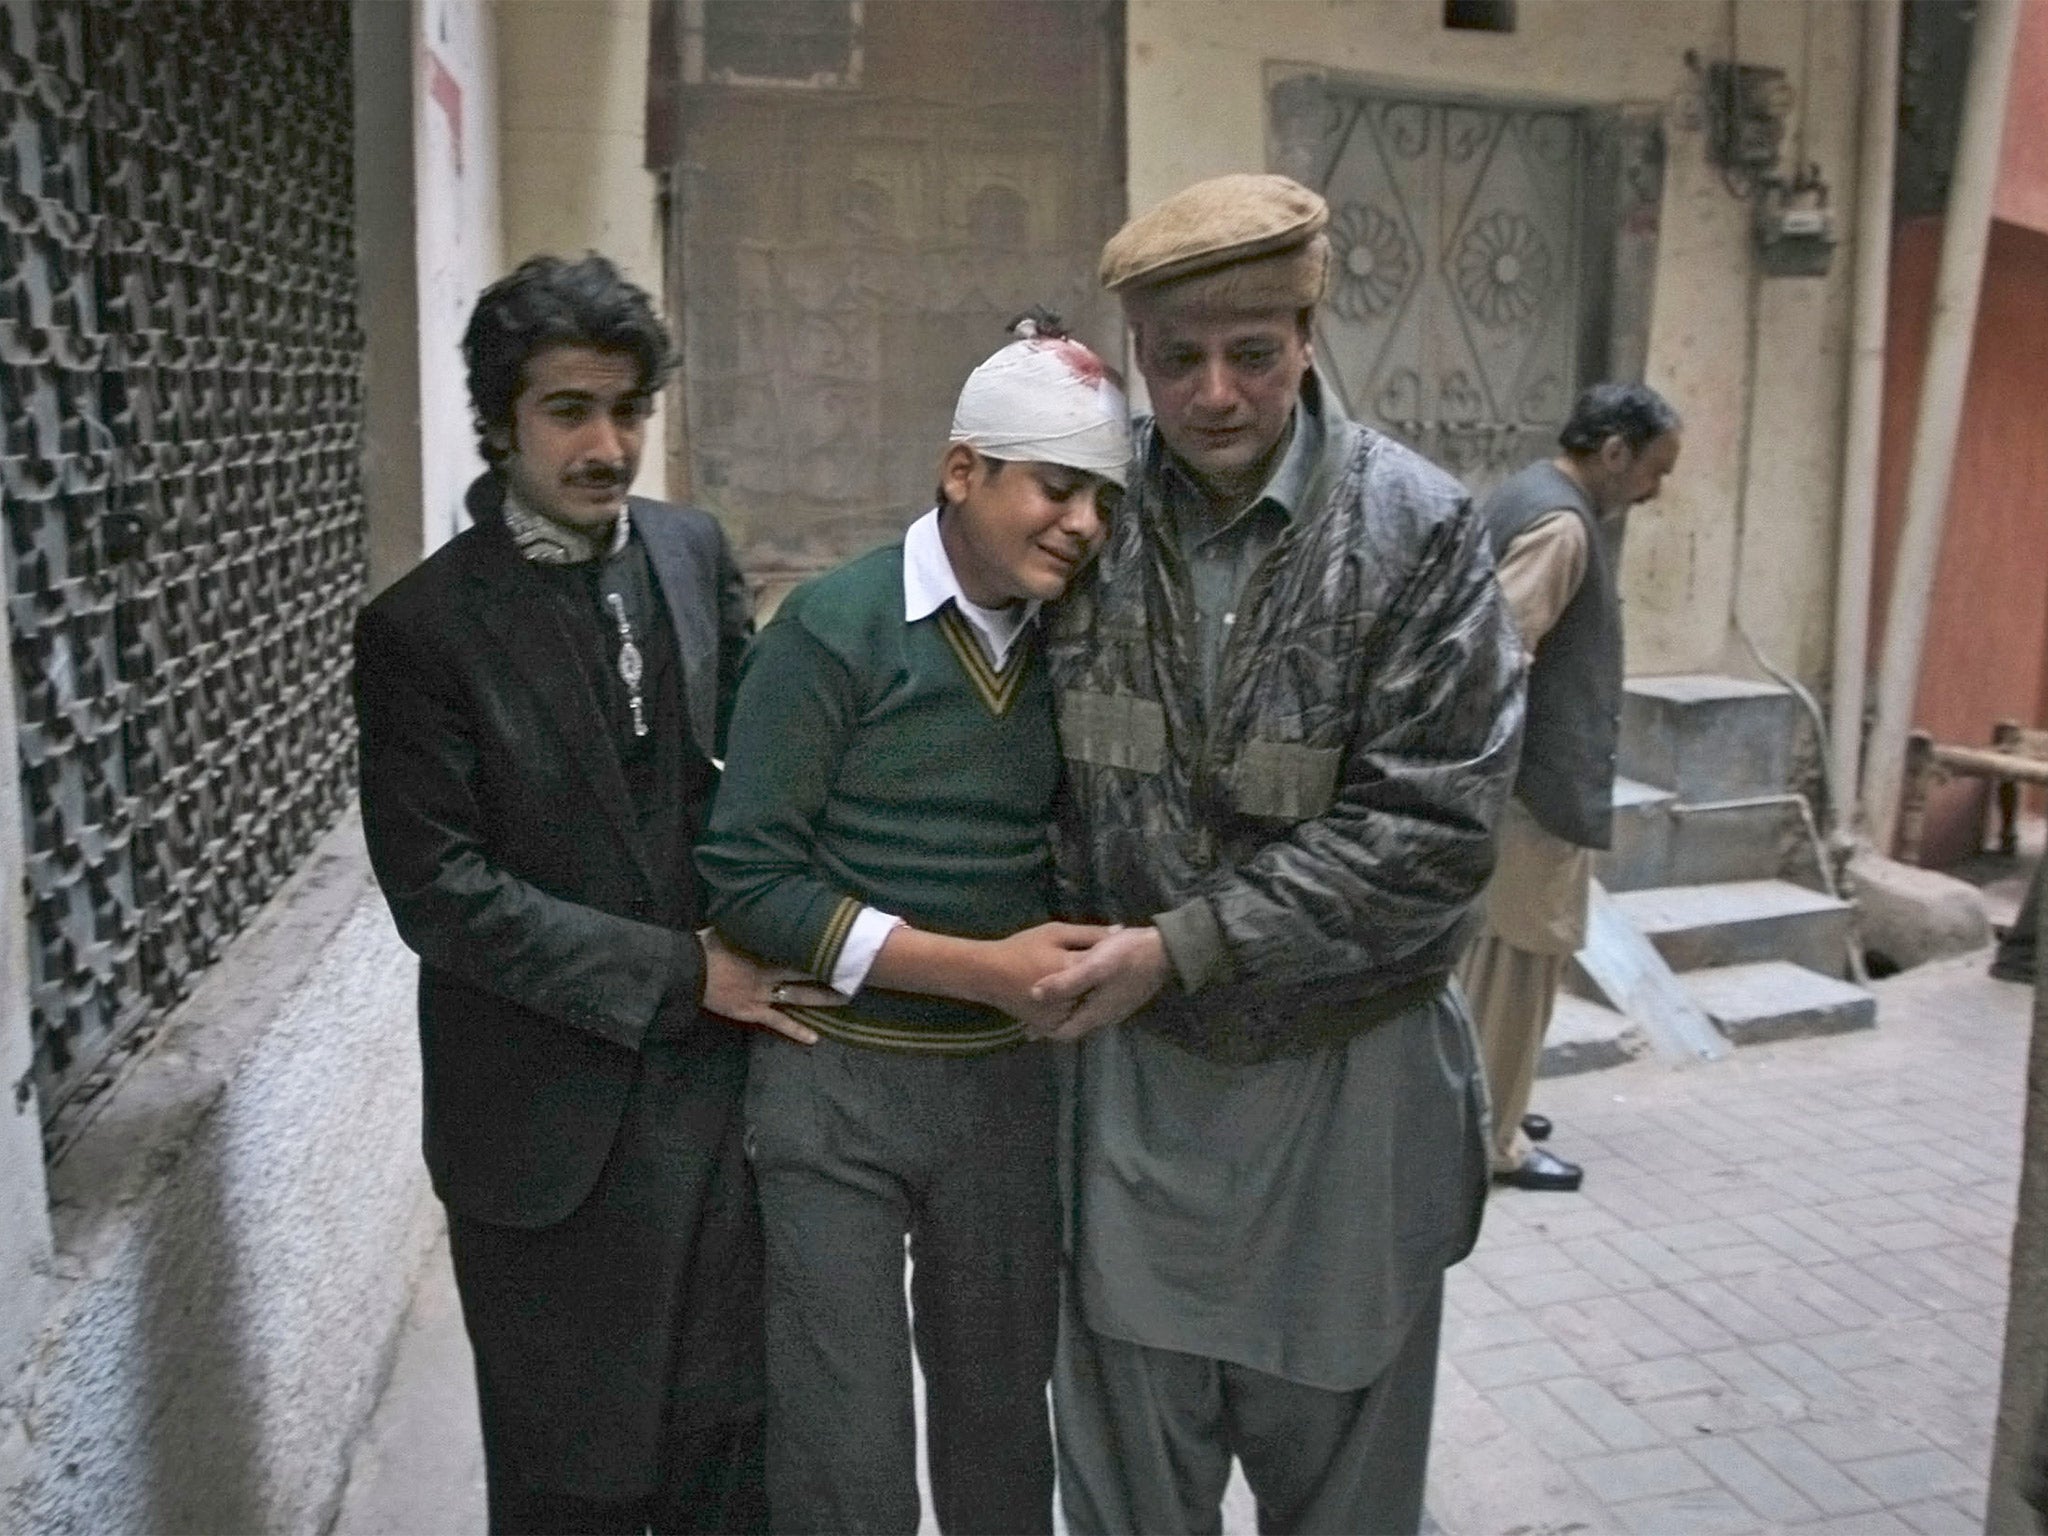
<point x="1567" y="774"/>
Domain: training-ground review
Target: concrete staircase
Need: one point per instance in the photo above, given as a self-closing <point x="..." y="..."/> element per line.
<point x="1715" y="862"/>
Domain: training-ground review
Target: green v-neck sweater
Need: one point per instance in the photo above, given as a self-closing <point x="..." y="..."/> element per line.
<point x="874" y="762"/>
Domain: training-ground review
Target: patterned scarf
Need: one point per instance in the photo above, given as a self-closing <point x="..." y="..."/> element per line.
<point x="546" y="542"/>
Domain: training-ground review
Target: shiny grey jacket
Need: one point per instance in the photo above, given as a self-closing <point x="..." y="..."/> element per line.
<point x="1313" y="852"/>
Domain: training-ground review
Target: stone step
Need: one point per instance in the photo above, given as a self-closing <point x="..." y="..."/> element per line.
<point x="1777" y="1000"/>
<point x="1661" y="840"/>
<point x="1584" y="1036"/>
<point x="1642" y="837"/>
<point x="1735" y="922"/>
<point x="1706" y="737"/>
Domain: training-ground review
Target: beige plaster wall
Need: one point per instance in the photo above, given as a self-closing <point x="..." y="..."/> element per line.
<point x="1724" y="539"/>
<point x="573" y="92"/>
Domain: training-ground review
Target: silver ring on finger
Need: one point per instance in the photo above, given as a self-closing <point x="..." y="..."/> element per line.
<point x="779" y="993"/>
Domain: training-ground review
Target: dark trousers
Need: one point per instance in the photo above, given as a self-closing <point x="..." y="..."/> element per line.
<point x="618" y="1352"/>
<point x="853" y="1149"/>
<point x="1147" y="1435"/>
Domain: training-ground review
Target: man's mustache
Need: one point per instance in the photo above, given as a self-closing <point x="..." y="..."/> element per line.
<point x="600" y="477"/>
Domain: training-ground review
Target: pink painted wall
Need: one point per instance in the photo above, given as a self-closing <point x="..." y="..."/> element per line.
<point x="2023" y="167"/>
<point x="1987" y="636"/>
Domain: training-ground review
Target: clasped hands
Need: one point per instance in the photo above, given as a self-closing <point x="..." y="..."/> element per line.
<point x="1063" y="981"/>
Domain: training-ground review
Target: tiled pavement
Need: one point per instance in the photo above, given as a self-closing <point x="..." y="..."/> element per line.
<point x="1777" y="1304"/>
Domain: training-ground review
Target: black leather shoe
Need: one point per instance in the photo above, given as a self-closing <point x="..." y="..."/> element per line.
<point x="1542" y="1169"/>
<point x="1536" y="1127"/>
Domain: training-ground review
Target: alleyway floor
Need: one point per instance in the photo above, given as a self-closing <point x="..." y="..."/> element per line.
<point x="1777" y="1304"/>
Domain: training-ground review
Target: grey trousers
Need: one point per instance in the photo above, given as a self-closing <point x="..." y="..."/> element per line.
<point x="852" y="1149"/>
<point x="1146" y="1438"/>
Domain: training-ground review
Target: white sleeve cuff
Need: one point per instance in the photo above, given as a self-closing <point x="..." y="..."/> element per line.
<point x="864" y="941"/>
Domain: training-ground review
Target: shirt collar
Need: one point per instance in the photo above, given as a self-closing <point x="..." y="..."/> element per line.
<point x="1287" y="488"/>
<point x="929" y="584"/>
<point x="546" y="542"/>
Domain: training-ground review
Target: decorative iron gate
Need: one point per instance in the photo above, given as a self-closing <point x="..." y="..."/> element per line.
<point x="184" y="524"/>
<point x="1488" y="258"/>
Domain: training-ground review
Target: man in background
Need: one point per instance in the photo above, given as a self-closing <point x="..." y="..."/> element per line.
<point x="1556" y="530"/>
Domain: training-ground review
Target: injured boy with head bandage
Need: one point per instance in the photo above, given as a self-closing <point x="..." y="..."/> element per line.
<point x="882" y="826"/>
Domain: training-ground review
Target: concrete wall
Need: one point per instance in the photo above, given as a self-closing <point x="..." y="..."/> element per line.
<point x="573" y="75"/>
<point x="1748" y="522"/>
<point x="25" y="1272"/>
<point x="237" y="1234"/>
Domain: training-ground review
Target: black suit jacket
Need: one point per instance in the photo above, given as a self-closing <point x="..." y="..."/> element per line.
<point x="503" y="835"/>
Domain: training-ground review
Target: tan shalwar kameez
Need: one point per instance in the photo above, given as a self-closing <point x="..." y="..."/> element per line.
<point x="1535" y="906"/>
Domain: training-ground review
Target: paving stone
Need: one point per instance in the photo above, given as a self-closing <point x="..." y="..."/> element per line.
<point x="1812" y="1378"/>
<point x="1760" y="1489"/>
<point x="1941" y="1517"/>
<point x="1874" y="1522"/>
<point x="1537" y="1414"/>
<point x="1617" y="1425"/>
<point x="1625" y="1475"/>
<point x="1784" y="1238"/>
<point x="1465" y="1334"/>
<point x="1705" y="1512"/>
<point x="1810" y="1472"/>
<point x="1702" y="1415"/>
<point x="1616" y="1271"/>
<point x="1688" y="1237"/>
<point x="1846" y="1439"/>
<point x="1852" y="1349"/>
<point x="1558" y="1285"/>
<point x="1649" y="1380"/>
<point x="1516" y="1363"/>
<point x="1745" y="1322"/>
<point x="1682" y="1320"/>
<point x="1912" y="1475"/>
<point x="1596" y="1346"/>
<point x="1860" y="1286"/>
<point x="1736" y="1259"/>
<point x="1649" y="1252"/>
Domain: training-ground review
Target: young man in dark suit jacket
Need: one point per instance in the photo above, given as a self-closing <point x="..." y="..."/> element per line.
<point x="540" y="705"/>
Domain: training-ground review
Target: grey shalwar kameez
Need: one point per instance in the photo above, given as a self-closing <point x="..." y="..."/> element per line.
<point x="1261" y="1215"/>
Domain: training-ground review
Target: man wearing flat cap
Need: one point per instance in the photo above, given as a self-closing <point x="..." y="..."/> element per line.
<point x="1289" y="704"/>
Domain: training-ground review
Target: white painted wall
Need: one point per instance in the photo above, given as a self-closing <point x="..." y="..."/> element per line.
<point x="1723" y="540"/>
<point x="458" y="238"/>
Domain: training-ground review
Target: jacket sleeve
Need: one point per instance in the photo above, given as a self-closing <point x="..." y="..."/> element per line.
<point x="791" y="726"/>
<point x="458" y="910"/>
<point x="1376" y="885"/>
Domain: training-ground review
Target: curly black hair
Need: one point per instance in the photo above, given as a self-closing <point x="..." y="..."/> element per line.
<point x="548" y="301"/>
<point x="1635" y="413"/>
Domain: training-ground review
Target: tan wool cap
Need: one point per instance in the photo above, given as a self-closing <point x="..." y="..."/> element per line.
<point x="1243" y="242"/>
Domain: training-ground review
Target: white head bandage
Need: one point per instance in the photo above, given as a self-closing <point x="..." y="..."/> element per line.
<point x="1048" y="399"/>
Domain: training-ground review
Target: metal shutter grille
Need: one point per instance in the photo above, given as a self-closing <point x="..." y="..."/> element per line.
<point x="185" y="541"/>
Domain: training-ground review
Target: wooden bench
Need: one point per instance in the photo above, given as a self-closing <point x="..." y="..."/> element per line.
<point x="2016" y="756"/>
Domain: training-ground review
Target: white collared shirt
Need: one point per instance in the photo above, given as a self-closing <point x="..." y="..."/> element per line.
<point x="928" y="585"/>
